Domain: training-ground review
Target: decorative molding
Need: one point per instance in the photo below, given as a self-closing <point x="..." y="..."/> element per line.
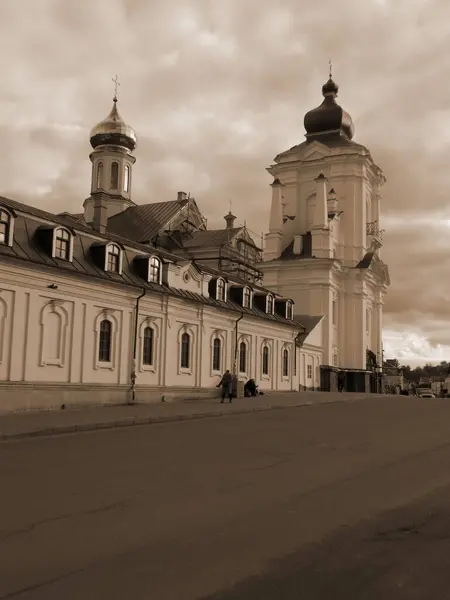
<point x="53" y="307"/>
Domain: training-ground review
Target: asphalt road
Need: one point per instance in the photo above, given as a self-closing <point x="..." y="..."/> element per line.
<point x="345" y="500"/>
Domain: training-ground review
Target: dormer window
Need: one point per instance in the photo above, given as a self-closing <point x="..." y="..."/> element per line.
<point x="5" y="227"/>
<point x="247" y="298"/>
<point x="154" y="270"/>
<point x="269" y="304"/>
<point x="221" y="290"/>
<point x="289" y="310"/>
<point x="62" y="244"/>
<point x="113" y="258"/>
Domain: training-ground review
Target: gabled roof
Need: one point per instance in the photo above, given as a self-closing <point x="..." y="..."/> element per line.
<point x="309" y="322"/>
<point x="142" y="223"/>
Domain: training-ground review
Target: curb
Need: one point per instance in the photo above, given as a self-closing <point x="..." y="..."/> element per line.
<point x="136" y="421"/>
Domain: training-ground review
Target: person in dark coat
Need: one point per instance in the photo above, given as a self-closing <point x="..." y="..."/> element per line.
<point x="250" y="388"/>
<point x="341" y="381"/>
<point x="227" y="385"/>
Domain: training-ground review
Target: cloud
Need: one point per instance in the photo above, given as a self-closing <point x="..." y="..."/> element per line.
<point x="216" y="89"/>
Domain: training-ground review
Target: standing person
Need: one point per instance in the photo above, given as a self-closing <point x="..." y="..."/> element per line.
<point x="227" y="386"/>
<point x="341" y="381"/>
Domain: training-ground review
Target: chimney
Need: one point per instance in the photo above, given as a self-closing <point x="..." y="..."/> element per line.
<point x="230" y="219"/>
<point x="321" y="210"/>
<point x="100" y="211"/>
<point x="181" y="196"/>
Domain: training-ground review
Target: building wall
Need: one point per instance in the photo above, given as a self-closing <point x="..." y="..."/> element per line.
<point x="49" y="341"/>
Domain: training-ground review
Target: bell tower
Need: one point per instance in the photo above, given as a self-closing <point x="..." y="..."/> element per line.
<point x="113" y="143"/>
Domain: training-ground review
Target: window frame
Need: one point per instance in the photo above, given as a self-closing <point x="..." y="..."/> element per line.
<point x="216" y="365"/>
<point x="265" y="355"/>
<point x="285" y="360"/>
<point x="9" y="226"/>
<point x="114" y="176"/>
<point x="247" y="295"/>
<point x="221" y="284"/>
<point x="289" y="310"/>
<point x="126" y="179"/>
<point x="99" y="175"/>
<point x="243" y="358"/>
<point x="270" y="304"/>
<point x="151" y="361"/>
<point x="108" y="358"/>
<point x="151" y="270"/>
<point x="69" y="240"/>
<point x="108" y="251"/>
<point x="309" y="371"/>
<point x="185" y="365"/>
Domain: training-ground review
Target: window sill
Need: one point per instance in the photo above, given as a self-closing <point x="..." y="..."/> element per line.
<point x="183" y="371"/>
<point x="104" y="365"/>
<point x="265" y="376"/>
<point x="148" y="368"/>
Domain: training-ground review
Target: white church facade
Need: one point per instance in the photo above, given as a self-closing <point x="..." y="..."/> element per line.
<point x="324" y="241"/>
<point x="128" y="302"/>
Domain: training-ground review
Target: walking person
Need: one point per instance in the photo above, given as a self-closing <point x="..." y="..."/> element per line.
<point x="227" y="385"/>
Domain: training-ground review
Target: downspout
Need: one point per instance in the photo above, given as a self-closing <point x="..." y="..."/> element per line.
<point x="236" y="345"/>
<point x="133" y="364"/>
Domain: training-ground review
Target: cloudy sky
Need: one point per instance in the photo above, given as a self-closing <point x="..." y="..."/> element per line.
<point x="217" y="88"/>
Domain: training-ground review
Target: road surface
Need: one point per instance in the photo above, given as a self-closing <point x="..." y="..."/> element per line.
<point x="343" y="501"/>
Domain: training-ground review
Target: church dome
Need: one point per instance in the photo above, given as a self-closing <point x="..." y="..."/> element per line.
<point x="329" y="117"/>
<point x="113" y="131"/>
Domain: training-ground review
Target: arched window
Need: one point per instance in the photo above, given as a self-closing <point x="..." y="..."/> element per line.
<point x="98" y="181"/>
<point x="147" y="350"/>
<point x="269" y="304"/>
<point x="105" y="338"/>
<point x="126" y="179"/>
<point x="285" y="363"/>
<point x="242" y="357"/>
<point x="247" y="297"/>
<point x="220" y="292"/>
<point x="154" y="271"/>
<point x="5" y="226"/>
<point x="113" y="259"/>
<point x="265" y="360"/>
<point x="217" y="351"/>
<point x="185" y="354"/>
<point x="114" y="175"/>
<point x="62" y="244"/>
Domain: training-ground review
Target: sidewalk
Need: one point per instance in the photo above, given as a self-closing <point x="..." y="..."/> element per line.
<point x="46" y="423"/>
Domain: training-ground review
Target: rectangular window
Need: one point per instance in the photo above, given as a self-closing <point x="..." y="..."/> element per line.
<point x="285" y="363"/>
<point x="147" y="354"/>
<point x="265" y="361"/>
<point x="113" y="262"/>
<point x="104" y="347"/>
<point x="62" y="244"/>
<point x="309" y="372"/>
<point x="216" y="354"/>
<point x="242" y="358"/>
<point x="185" y="351"/>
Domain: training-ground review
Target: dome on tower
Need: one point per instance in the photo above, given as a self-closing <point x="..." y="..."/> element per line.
<point x="329" y="117"/>
<point x="113" y="131"/>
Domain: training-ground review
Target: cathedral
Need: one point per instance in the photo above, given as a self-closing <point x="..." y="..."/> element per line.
<point x="126" y="302"/>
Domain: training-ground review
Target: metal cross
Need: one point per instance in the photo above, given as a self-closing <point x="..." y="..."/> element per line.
<point x="116" y="83"/>
<point x="230" y="205"/>
<point x="330" y="62"/>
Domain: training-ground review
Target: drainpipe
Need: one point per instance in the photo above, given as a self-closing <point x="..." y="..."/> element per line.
<point x="236" y="345"/>
<point x="133" y="364"/>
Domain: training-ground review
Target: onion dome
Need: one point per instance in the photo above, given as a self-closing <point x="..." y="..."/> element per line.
<point x="113" y="131"/>
<point x="329" y="117"/>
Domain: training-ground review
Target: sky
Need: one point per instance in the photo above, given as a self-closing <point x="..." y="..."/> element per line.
<point x="216" y="89"/>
